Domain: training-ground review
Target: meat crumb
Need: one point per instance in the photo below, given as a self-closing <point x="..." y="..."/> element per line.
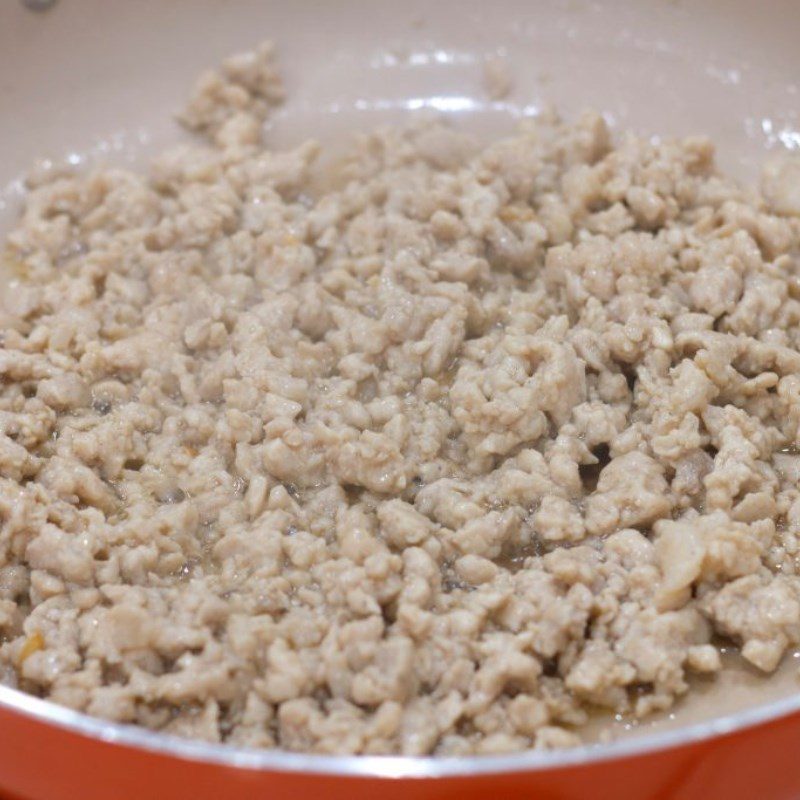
<point x="497" y="79"/>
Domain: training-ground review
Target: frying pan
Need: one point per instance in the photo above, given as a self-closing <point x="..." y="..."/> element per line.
<point x="96" y="81"/>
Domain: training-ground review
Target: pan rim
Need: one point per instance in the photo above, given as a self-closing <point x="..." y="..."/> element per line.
<point x="368" y="766"/>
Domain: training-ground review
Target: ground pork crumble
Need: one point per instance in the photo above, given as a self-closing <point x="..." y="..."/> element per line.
<point x="435" y="455"/>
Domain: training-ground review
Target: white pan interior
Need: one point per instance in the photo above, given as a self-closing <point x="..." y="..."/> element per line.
<point x="99" y="80"/>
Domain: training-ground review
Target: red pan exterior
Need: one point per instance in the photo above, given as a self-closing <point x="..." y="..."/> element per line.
<point x="40" y="761"/>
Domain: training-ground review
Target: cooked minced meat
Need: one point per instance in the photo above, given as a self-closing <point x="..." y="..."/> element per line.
<point x="434" y="453"/>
